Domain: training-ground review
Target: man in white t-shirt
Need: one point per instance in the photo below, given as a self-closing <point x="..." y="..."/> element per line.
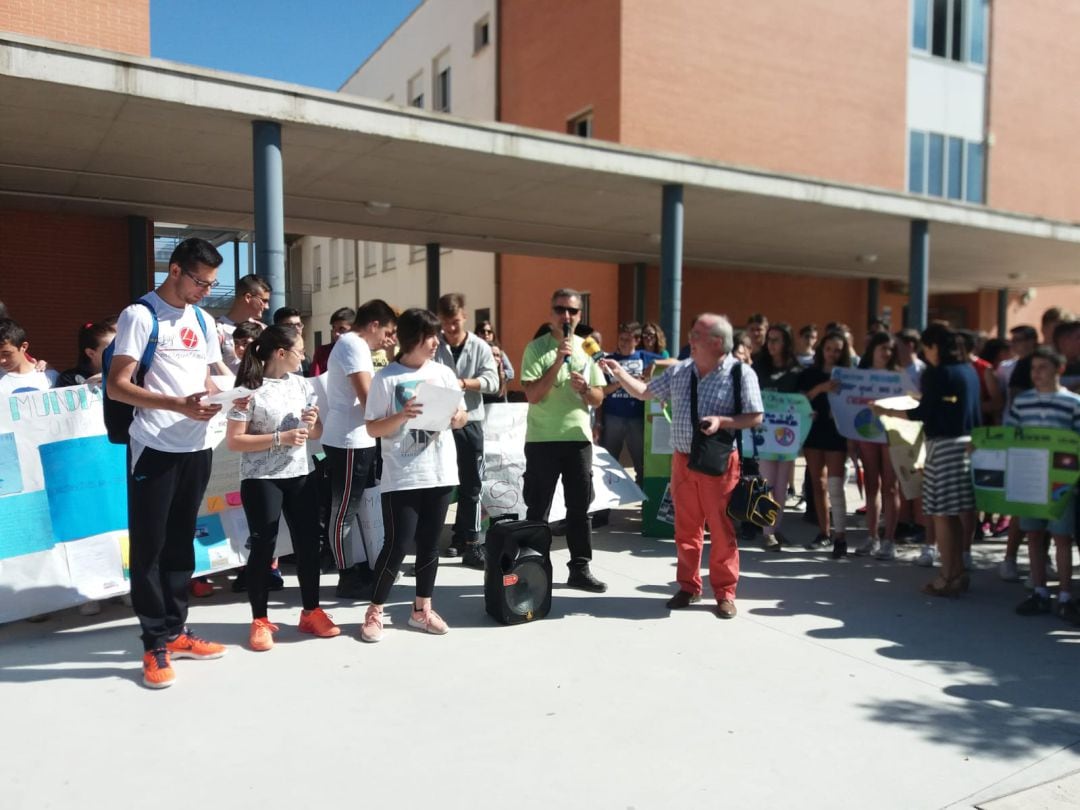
<point x="351" y="454"/>
<point x="252" y="298"/>
<point x="18" y="372"/>
<point x="169" y="451"/>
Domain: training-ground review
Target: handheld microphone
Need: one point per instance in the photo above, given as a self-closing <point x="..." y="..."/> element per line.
<point x="566" y="334"/>
<point x="592" y="348"/>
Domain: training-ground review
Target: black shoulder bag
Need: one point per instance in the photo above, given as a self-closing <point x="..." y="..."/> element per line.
<point x="751" y="500"/>
<point x="709" y="455"/>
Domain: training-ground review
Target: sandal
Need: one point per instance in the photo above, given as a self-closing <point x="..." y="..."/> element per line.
<point x="939" y="587"/>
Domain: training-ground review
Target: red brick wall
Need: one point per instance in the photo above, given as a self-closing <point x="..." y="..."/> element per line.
<point x="114" y="25"/>
<point x="813" y="87"/>
<point x="1034" y="113"/>
<point x="59" y="271"/>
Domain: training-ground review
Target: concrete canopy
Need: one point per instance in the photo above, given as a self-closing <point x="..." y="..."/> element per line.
<point x="95" y="132"/>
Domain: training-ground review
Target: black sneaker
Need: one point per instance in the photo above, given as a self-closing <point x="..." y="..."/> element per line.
<point x="276" y="581"/>
<point x="583" y="580"/>
<point x="820" y="541"/>
<point x="1035" y="604"/>
<point x="839" y="549"/>
<point x="239" y="585"/>
<point x="1069" y="612"/>
<point x="682" y="599"/>
<point x="454" y="549"/>
<point x="474" y="556"/>
<point x="351" y="586"/>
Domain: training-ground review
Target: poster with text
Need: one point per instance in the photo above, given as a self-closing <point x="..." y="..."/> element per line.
<point x="783" y="429"/>
<point x="1030" y="472"/>
<point x="851" y="404"/>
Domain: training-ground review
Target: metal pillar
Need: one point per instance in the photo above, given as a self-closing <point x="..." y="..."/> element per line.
<point x="269" y="212"/>
<point x="918" y="274"/>
<point x="671" y="251"/>
<point x="639" y="292"/>
<point x="139" y="259"/>
<point x="873" y="300"/>
<point x="1003" y="313"/>
<point x="433" y="281"/>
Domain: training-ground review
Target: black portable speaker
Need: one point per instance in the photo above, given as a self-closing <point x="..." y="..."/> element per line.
<point x="517" y="577"/>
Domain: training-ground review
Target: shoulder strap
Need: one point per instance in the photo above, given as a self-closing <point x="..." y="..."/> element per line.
<point x="202" y="321"/>
<point x="151" y="344"/>
<point x="694" y="420"/>
<point x="736" y="395"/>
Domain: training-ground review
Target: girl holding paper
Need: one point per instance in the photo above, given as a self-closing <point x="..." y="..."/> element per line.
<point x="419" y="468"/>
<point x="880" y="355"/>
<point x="272" y="433"/>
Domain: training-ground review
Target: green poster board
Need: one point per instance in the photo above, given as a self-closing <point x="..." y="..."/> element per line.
<point x="1028" y="472"/>
<point x="656" y="513"/>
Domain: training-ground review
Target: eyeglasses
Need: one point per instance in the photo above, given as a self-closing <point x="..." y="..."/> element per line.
<point x="264" y="301"/>
<point x="202" y="285"/>
<point x="561" y="310"/>
<point x="296" y="351"/>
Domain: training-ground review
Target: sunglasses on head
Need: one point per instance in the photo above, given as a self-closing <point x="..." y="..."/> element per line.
<point x="561" y="310"/>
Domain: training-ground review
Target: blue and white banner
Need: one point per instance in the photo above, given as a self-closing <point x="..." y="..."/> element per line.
<point x="851" y="405"/>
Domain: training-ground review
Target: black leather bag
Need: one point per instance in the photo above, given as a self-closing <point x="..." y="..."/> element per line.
<point x="709" y="455"/>
<point x="751" y="500"/>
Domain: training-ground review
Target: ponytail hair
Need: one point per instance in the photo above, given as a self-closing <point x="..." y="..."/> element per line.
<point x="272" y="338"/>
<point x="90" y="335"/>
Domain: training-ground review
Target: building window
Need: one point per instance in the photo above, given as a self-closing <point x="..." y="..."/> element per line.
<point x="945" y="166"/>
<point x="318" y="337"/>
<point x="441" y="91"/>
<point x="335" y="267"/>
<point x="316" y="261"/>
<point x="950" y="29"/>
<point x="370" y="260"/>
<point x="481" y="34"/>
<point x="348" y="263"/>
<point x="416" y="90"/>
<point x="580" y="125"/>
<point x="585" y="307"/>
<point x="417" y="253"/>
<point x="389" y="257"/>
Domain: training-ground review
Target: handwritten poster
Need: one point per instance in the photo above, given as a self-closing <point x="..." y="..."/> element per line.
<point x="1030" y="472"/>
<point x="851" y="404"/>
<point x="783" y="429"/>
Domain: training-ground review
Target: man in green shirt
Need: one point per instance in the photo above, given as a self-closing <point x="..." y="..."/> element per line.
<point x="561" y="383"/>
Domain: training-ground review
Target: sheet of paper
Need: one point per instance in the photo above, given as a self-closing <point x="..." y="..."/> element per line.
<point x="440" y="404"/>
<point x="902" y="403"/>
<point x="1027" y="475"/>
<point x="11" y="480"/>
<point x="96" y="566"/>
<point x="225" y="398"/>
<point x="661" y="437"/>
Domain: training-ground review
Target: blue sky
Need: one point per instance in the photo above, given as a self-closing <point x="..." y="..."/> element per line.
<point x="313" y="42"/>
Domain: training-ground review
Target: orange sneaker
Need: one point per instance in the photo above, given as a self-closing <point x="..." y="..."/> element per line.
<point x="262" y="635"/>
<point x="318" y="623"/>
<point x="157" y="672"/>
<point x="200" y="588"/>
<point x="188" y="645"/>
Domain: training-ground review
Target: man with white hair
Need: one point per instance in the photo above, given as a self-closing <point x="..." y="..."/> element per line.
<point x="701" y="499"/>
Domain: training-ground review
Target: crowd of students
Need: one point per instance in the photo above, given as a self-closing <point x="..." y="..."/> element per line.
<point x="371" y="370"/>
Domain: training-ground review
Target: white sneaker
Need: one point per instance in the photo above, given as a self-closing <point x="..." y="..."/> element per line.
<point x="91" y="608"/>
<point x="927" y="557"/>
<point x="868" y="548"/>
<point x="1008" y="571"/>
<point x="886" y="551"/>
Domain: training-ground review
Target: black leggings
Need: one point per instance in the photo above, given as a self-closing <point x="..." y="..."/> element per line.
<point x="265" y="500"/>
<point x="411" y="514"/>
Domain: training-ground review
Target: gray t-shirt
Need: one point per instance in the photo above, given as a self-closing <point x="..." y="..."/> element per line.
<point x="276" y="405"/>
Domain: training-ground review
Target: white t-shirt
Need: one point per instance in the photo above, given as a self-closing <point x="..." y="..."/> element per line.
<point x="412" y="459"/>
<point x="225" y="328"/>
<point x="15" y="383"/>
<point x="276" y="405"/>
<point x="343" y="422"/>
<point x="179" y="369"/>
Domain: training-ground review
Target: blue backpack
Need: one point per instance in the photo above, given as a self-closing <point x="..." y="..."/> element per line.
<point x="120" y="415"/>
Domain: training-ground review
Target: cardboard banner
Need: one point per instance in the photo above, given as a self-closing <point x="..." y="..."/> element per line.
<point x="657" y="515"/>
<point x="1029" y="472"/>
<point x="784" y="427"/>
<point x="851" y="405"/>
<point x="907" y="452"/>
<point x="504" y="463"/>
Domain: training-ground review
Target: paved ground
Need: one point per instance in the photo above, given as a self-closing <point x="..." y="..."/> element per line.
<point x="839" y="685"/>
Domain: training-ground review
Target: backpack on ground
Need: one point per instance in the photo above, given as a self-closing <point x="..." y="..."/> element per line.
<point x="120" y="415"/>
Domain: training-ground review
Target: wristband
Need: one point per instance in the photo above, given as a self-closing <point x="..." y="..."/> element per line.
<point x="276" y="443"/>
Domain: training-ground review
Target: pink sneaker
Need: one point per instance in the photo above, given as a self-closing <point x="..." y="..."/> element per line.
<point x="429" y="621"/>
<point x="372" y="629"/>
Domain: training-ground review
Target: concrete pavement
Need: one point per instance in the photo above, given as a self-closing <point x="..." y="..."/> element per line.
<point x="838" y="685"/>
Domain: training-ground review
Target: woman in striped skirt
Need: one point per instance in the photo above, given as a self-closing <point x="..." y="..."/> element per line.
<point x="949" y="410"/>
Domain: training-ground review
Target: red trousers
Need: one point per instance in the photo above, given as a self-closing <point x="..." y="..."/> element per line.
<point x="702" y="500"/>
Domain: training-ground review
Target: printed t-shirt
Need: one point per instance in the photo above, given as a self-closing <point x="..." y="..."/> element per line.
<point x="225" y="327"/>
<point x="343" y="422"/>
<point x="276" y="405"/>
<point x="16" y="383"/>
<point x="562" y="415"/>
<point x="620" y="403"/>
<point x="412" y="459"/>
<point x="179" y="369"/>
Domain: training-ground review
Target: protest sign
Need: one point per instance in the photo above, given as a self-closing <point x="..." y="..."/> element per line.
<point x="783" y="429"/>
<point x="1028" y="471"/>
<point x="907" y="452"/>
<point x="657" y="515"/>
<point x="851" y="405"/>
<point x="504" y="462"/>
